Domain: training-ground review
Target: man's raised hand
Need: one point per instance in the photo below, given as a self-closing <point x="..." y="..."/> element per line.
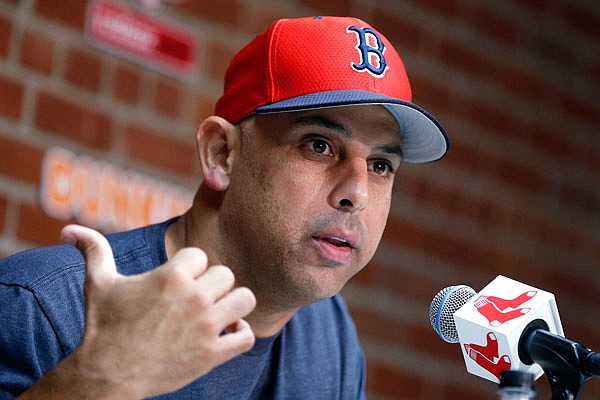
<point x="155" y="332"/>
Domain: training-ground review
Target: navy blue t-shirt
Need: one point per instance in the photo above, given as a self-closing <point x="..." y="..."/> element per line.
<point x="42" y="316"/>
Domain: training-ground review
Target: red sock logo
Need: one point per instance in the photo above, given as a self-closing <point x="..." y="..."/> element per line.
<point x="487" y="356"/>
<point x="503" y="304"/>
<point x="498" y="310"/>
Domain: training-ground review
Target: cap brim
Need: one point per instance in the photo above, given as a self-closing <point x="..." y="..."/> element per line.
<point x="423" y="138"/>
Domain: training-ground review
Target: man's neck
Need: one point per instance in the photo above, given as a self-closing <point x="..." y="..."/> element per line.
<point x="265" y="321"/>
<point x="267" y="324"/>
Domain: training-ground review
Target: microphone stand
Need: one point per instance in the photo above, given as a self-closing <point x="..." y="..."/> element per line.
<point x="567" y="364"/>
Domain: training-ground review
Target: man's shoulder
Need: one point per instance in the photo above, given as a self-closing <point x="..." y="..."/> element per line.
<point x="131" y="249"/>
<point x="30" y="267"/>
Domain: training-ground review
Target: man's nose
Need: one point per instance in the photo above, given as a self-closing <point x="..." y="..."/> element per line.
<point x="351" y="190"/>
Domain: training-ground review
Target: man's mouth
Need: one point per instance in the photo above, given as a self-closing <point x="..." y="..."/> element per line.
<point x="336" y="241"/>
<point x="334" y="248"/>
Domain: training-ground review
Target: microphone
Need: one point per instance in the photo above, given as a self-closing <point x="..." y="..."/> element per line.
<point x="442" y="309"/>
<point x="511" y="325"/>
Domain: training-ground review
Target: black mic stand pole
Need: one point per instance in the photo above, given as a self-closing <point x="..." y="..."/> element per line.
<point x="567" y="364"/>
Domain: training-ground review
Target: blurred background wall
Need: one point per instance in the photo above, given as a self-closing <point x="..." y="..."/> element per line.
<point x="515" y="83"/>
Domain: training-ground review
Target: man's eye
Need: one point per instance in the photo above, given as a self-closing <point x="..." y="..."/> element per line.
<point x="382" y="168"/>
<point x="320" y="146"/>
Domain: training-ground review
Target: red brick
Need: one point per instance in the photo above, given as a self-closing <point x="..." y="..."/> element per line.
<point x="430" y="94"/>
<point x="489" y="116"/>
<point x="576" y="326"/>
<point x="591" y="389"/>
<point x="392" y="279"/>
<point x="127" y="84"/>
<point x="577" y="288"/>
<point x="197" y="106"/>
<point x="582" y="109"/>
<point x="507" y="171"/>
<point x="206" y="107"/>
<point x="454" y="202"/>
<point x="583" y="198"/>
<point x="476" y="389"/>
<point x="68" y="12"/>
<point x="540" y="137"/>
<point x="37" y="52"/>
<point x="488" y="213"/>
<point x="167" y="97"/>
<point x="330" y="7"/>
<point x="161" y="150"/>
<point x="494" y="260"/>
<point x="20" y="160"/>
<point x="458" y="56"/>
<point x="402" y="33"/>
<point x="518" y="81"/>
<point x="553" y="51"/>
<point x="382" y="328"/>
<point x="538" y="6"/>
<point x="219" y="57"/>
<point x="517" y="175"/>
<point x="446" y="9"/>
<point x="553" y="141"/>
<point x="591" y="159"/>
<point x="491" y="24"/>
<point x="36" y="227"/>
<point x="592" y="68"/>
<point x="83" y="69"/>
<point x="452" y="249"/>
<point x="5" y="35"/>
<point x="257" y="19"/>
<point x="584" y="20"/>
<point x="388" y="381"/>
<point x="225" y="11"/>
<point x="367" y="277"/>
<point x="72" y="120"/>
<point x="11" y="98"/>
<point x="465" y="156"/>
<point x="556" y="236"/>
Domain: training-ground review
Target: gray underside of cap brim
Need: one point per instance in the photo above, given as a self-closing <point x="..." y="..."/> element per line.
<point x="423" y="138"/>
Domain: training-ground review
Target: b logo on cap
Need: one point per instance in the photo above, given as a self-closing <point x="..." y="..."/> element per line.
<point x="371" y="56"/>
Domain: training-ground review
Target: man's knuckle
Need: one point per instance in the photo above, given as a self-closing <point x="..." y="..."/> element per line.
<point x="192" y="255"/>
<point x="209" y="324"/>
<point x="199" y="300"/>
<point x="225" y="274"/>
<point x="174" y="279"/>
<point x="247" y="297"/>
<point x="247" y="340"/>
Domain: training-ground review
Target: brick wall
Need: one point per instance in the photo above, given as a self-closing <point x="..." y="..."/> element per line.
<point x="515" y="84"/>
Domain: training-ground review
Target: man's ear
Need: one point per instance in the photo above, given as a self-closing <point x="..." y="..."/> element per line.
<point x="218" y="143"/>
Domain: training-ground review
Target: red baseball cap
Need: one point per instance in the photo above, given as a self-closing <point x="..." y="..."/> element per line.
<point x="319" y="62"/>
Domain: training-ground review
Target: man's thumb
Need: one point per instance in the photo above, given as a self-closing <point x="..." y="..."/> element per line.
<point x="96" y="251"/>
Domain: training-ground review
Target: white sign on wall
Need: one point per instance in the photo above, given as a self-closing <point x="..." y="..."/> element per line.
<point x="153" y="42"/>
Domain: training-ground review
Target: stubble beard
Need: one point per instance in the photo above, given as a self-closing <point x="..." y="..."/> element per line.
<point x="273" y="269"/>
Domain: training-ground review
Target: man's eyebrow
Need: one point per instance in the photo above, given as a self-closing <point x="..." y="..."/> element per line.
<point x="322" y="121"/>
<point x="395" y="150"/>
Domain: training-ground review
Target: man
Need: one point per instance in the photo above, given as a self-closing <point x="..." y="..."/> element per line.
<point x="298" y="165"/>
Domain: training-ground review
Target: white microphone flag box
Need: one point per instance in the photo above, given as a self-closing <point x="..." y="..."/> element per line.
<point x="490" y="325"/>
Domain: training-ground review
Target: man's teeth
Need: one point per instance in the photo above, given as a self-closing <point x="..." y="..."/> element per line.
<point x="337" y="241"/>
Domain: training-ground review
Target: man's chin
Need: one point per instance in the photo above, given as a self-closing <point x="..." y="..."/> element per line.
<point x="319" y="291"/>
